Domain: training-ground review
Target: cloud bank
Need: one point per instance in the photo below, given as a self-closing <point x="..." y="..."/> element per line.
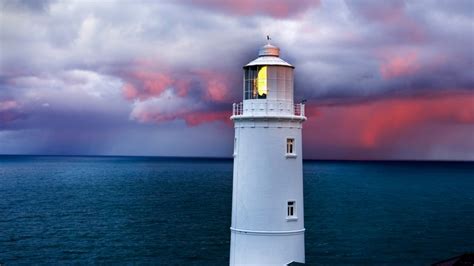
<point x="118" y="77"/>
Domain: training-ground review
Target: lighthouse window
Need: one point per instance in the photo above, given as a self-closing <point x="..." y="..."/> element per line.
<point x="291" y="210"/>
<point x="290" y="146"/>
<point x="268" y="82"/>
<point x="235" y="146"/>
<point x="256" y="82"/>
<point x="262" y="86"/>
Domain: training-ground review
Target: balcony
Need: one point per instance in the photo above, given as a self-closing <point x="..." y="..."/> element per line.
<point x="254" y="109"/>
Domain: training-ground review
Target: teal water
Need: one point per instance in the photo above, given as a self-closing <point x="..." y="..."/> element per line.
<point x="171" y="211"/>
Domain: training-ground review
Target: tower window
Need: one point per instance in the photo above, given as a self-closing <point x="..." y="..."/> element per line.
<point x="261" y="88"/>
<point x="268" y="82"/>
<point x="291" y="209"/>
<point x="290" y="149"/>
<point x="256" y="82"/>
<point x="235" y="146"/>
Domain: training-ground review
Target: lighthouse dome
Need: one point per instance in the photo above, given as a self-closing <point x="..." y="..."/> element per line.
<point x="269" y="55"/>
<point x="269" y="50"/>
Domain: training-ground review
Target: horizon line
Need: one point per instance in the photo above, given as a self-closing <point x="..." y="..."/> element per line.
<point x="230" y="158"/>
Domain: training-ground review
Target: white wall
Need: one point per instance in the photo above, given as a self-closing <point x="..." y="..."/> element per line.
<point x="265" y="179"/>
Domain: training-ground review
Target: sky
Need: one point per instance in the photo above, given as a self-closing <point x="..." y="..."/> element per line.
<point x="388" y="80"/>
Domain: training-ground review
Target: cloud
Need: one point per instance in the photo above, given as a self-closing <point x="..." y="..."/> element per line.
<point x="162" y="94"/>
<point x="394" y="128"/>
<point x="7" y="105"/>
<point x="392" y="17"/>
<point x="148" y="84"/>
<point x="95" y="70"/>
<point x="32" y="6"/>
<point x="215" y="84"/>
<point x="272" y="8"/>
<point x="169" y="107"/>
<point x="399" y="65"/>
<point x="9" y="112"/>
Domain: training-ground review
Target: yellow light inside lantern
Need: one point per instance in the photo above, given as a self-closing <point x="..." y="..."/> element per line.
<point x="262" y="81"/>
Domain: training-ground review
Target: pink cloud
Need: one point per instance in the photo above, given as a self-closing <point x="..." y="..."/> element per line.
<point x="129" y="91"/>
<point x="145" y="83"/>
<point x="7" y="105"/>
<point x="9" y="112"/>
<point x="163" y="98"/>
<point x="194" y="119"/>
<point x="383" y="124"/>
<point x="215" y="84"/>
<point x="170" y="106"/>
<point x="398" y="65"/>
<point x="273" y="8"/>
<point x="390" y="118"/>
<point x="182" y="86"/>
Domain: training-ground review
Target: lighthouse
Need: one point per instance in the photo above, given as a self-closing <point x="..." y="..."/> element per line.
<point x="267" y="197"/>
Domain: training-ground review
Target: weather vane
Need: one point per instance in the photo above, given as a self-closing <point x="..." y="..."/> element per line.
<point x="268" y="38"/>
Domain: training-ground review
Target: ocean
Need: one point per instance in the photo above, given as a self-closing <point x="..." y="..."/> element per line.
<point x="176" y="211"/>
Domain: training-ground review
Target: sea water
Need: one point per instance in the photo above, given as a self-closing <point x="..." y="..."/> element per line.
<point x="176" y="211"/>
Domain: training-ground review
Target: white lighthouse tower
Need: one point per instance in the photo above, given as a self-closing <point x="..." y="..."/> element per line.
<point x="267" y="198"/>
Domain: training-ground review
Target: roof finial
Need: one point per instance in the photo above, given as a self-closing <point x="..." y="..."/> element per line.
<point x="268" y="39"/>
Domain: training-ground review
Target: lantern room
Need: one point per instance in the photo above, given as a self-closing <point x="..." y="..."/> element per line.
<point x="268" y="88"/>
<point x="268" y="77"/>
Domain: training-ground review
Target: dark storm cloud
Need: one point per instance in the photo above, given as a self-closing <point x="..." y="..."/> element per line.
<point x="91" y="71"/>
<point x="388" y="48"/>
<point x="27" y="5"/>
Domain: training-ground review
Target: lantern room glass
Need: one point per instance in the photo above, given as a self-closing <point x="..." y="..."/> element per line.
<point x="268" y="82"/>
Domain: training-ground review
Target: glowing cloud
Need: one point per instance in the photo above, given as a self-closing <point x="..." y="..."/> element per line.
<point x="381" y="126"/>
<point x="400" y="65"/>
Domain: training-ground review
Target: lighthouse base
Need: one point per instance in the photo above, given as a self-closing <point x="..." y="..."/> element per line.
<point x="266" y="247"/>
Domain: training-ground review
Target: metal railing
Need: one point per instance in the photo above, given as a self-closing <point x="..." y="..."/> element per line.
<point x="238" y="109"/>
<point x="298" y="109"/>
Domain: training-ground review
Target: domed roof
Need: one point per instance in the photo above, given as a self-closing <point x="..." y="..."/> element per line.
<point x="269" y="50"/>
<point x="269" y="55"/>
